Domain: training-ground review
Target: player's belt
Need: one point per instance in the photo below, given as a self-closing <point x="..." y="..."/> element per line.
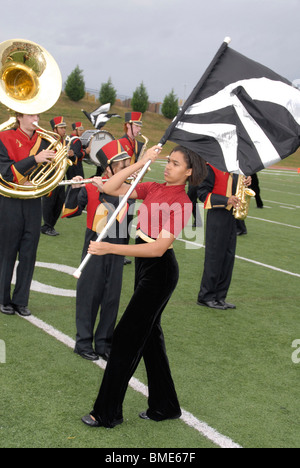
<point x="146" y="238"/>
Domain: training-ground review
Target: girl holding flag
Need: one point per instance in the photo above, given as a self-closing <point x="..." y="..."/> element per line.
<point x="165" y="211"/>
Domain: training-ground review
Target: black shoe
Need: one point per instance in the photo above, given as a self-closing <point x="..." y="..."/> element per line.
<point x="91" y="356"/>
<point x="104" y="356"/>
<point x="127" y="262"/>
<point x="89" y="420"/>
<point x="227" y="305"/>
<point x="50" y="232"/>
<point x="241" y="233"/>
<point x="22" y="310"/>
<point x="7" y="309"/>
<point x="144" y="415"/>
<point x="211" y="305"/>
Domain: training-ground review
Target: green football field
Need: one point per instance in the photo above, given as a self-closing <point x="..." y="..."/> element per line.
<point x="236" y="372"/>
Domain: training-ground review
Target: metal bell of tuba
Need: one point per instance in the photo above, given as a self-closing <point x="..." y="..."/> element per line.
<point x="31" y="83"/>
<point x="30" y="80"/>
<point x="244" y="194"/>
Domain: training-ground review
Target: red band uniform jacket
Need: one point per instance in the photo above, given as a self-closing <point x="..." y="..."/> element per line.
<point x="217" y="188"/>
<point x="132" y="147"/>
<point x="17" y="152"/>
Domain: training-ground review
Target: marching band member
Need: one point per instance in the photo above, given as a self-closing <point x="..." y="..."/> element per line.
<point x="21" y="150"/>
<point x="217" y="192"/>
<point x="53" y="203"/>
<point x="79" y="153"/>
<point x="132" y="127"/>
<point x="162" y="216"/>
<point x="100" y="284"/>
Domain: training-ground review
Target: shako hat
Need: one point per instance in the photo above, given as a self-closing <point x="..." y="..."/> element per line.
<point x="134" y="117"/>
<point x="57" y="122"/>
<point x="110" y="153"/>
<point x="77" y="126"/>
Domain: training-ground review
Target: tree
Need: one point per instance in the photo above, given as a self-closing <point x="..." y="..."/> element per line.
<point x="107" y="93"/>
<point x="75" y="86"/>
<point x="139" y="102"/>
<point x="170" y="106"/>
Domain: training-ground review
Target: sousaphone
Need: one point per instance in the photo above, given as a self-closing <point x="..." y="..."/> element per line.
<point x="31" y="83"/>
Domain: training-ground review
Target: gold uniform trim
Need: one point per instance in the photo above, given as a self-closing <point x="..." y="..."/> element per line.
<point x="147" y="239"/>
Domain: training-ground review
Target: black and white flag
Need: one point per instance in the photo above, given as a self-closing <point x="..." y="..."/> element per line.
<point x="99" y="117"/>
<point x="241" y="117"/>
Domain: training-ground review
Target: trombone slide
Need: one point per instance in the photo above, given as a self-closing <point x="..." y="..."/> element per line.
<point x="76" y="182"/>
<point x="85" y="181"/>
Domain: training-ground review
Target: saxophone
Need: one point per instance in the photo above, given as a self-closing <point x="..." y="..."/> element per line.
<point x="143" y="150"/>
<point x="244" y="194"/>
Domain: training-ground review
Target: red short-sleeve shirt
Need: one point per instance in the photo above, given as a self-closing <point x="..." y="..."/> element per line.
<point x="164" y="207"/>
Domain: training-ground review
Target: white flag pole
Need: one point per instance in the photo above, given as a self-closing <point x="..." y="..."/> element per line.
<point x="78" y="272"/>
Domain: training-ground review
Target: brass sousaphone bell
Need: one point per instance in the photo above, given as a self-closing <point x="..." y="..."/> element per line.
<point x="31" y="83"/>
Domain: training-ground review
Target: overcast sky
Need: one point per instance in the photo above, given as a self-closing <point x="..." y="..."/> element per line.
<point x="164" y="43"/>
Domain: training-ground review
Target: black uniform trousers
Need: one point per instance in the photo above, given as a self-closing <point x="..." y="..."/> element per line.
<point x="139" y="334"/>
<point x="193" y="196"/>
<point x="220" y="248"/>
<point x="255" y="186"/>
<point x="19" y="237"/>
<point x="52" y="207"/>
<point x="99" y="285"/>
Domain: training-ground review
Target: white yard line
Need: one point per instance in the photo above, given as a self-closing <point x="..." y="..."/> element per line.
<point x="265" y="188"/>
<point x="286" y="272"/>
<point x="274" y="222"/>
<point x="282" y="203"/>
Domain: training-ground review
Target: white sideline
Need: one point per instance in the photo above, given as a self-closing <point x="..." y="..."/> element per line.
<point x="200" y="426"/>
<point x="275" y="222"/>
<point x="265" y="265"/>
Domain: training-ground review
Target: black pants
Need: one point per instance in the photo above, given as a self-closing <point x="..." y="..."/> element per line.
<point x="19" y="237"/>
<point x="193" y="196"/>
<point x="255" y="186"/>
<point x="99" y="286"/>
<point x="52" y="207"/>
<point x="220" y="250"/>
<point x="139" y="334"/>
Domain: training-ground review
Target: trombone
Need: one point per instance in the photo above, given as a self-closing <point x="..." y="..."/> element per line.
<point x="87" y="181"/>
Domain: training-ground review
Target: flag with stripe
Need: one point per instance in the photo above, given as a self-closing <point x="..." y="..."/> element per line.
<point x="241" y="117"/>
<point x="99" y="117"/>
